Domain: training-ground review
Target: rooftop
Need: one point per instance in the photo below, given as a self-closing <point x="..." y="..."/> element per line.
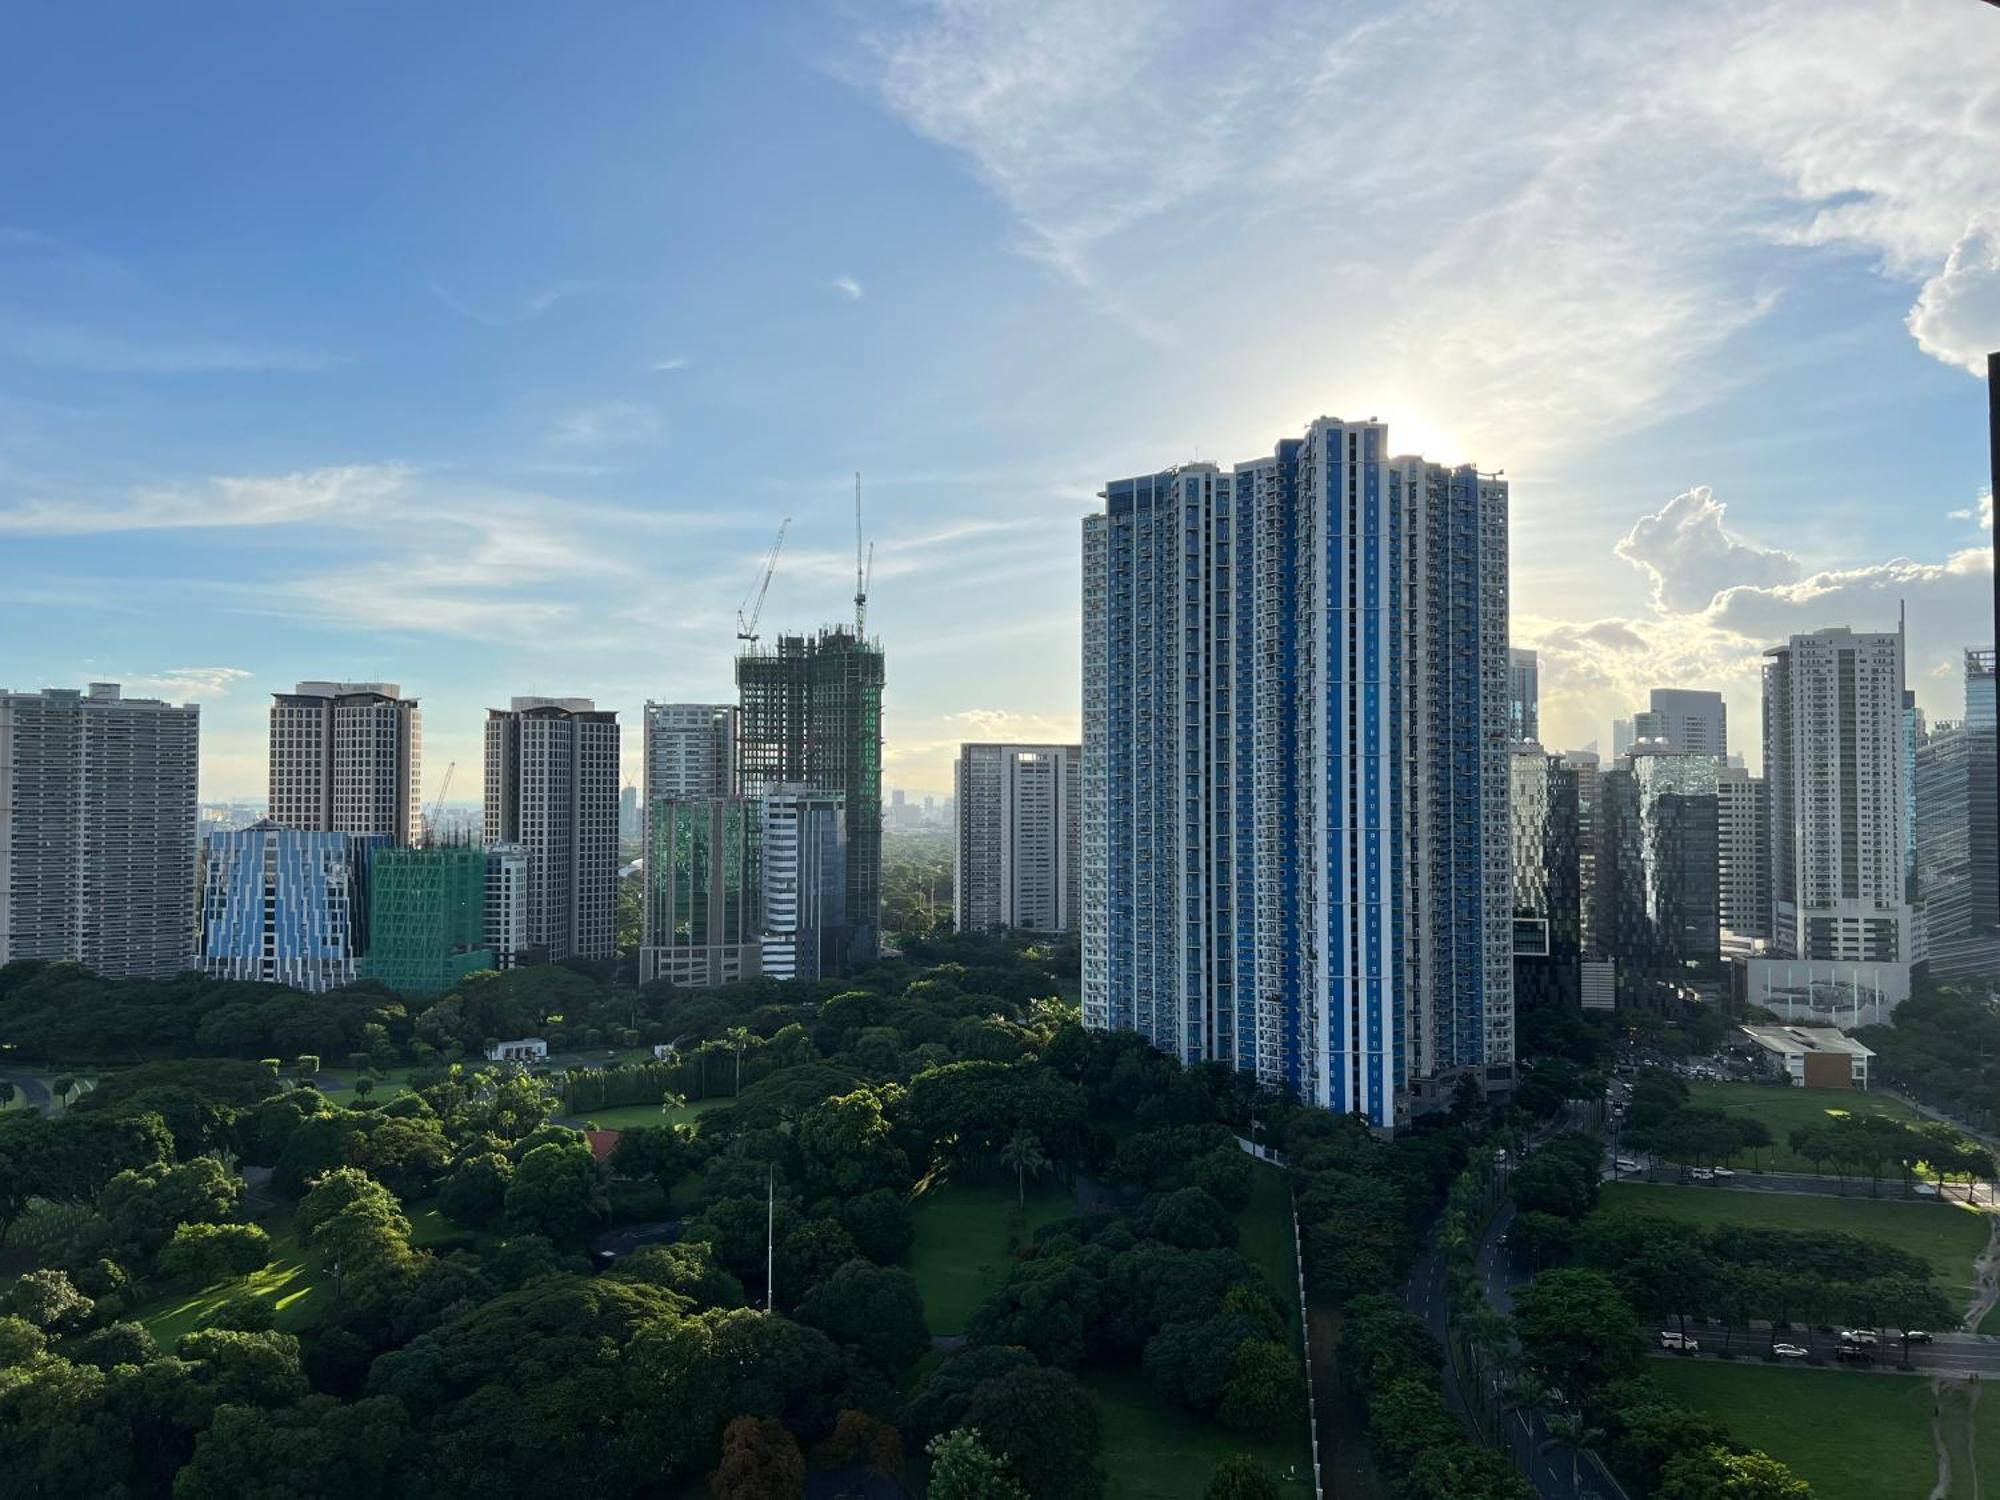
<point x="1798" y="1040"/>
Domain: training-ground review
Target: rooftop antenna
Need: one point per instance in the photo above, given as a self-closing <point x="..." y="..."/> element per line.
<point x="860" y="576"/>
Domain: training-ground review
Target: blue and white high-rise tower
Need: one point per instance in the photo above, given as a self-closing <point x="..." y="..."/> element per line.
<point x="1295" y="768"/>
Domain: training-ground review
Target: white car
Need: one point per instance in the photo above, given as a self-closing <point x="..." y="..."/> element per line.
<point x="1723" y="1172"/>
<point x="1701" y="1174"/>
<point x="1679" y="1341"/>
<point x="1788" y="1351"/>
<point x="1858" y="1336"/>
<point x="1625" y="1164"/>
<point x="1925" y="1190"/>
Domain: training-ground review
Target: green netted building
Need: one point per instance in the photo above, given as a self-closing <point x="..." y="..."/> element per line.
<point x="426" y="919"/>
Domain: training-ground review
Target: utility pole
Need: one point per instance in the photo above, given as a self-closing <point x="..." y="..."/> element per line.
<point x="770" y="1240"/>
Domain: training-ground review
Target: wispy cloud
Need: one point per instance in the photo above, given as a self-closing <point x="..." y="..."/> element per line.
<point x="329" y="494"/>
<point x="607" y="424"/>
<point x="186" y="684"/>
<point x="677" y="362"/>
<point x="848" y="287"/>
<point x="506" y="311"/>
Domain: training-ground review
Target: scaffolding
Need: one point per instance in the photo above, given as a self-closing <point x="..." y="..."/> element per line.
<point x="426" y="919"/>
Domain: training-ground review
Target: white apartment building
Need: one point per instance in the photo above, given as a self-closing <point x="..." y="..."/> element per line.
<point x="347" y="757"/>
<point x="1743" y="842"/>
<point x="690" y="750"/>
<point x="1016" y="856"/>
<point x="805" y="883"/>
<point x="506" y="903"/>
<point x="1835" y="761"/>
<point x="97" y="829"/>
<point x="552" y="788"/>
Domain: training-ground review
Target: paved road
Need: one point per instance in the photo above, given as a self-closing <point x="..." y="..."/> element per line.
<point x="1951" y="1354"/>
<point x="32" y="1091"/>
<point x="1888" y="1189"/>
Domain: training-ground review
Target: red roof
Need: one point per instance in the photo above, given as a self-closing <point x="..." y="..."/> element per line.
<point x="602" y="1142"/>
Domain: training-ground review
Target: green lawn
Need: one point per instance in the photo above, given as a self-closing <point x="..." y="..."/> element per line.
<point x="1154" y="1450"/>
<point x="1265" y="1229"/>
<point x="632" y="1116"/>
<point x="291" y="1280"/>
<point x="338" y="1084"/>
<point x="1783" y="1109"/>
<point x="1850" y="1436"/>
<point x="961" y="1254"/>
<point x="1949" y="1236"/>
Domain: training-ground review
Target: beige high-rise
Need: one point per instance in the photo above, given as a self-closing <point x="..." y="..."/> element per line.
<point x="347" y="757"/>
<point x="552" y="788"/>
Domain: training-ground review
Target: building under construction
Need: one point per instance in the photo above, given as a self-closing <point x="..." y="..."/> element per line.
<point x="812" y="716"/>
<point x="426" y="919"/>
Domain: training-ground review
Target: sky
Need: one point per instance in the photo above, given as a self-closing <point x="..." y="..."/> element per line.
<point x="483" y="348"/>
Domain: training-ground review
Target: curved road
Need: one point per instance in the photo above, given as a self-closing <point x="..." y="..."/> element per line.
<point x="30" y="1090"/>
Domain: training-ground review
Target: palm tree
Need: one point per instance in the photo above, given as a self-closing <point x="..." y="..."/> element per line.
<point x="1021" y="1155"/>
<point x="671" y="1102"/>
<point x="63" y="1084"/>
<point x="1571" y="1433"/>
<point x="7" y="1092"/>
<point x="739" y="1038"/>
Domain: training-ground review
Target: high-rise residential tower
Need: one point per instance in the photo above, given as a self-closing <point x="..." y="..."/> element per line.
<point x="286" y="905"/>
<point x="552" y="788"/>
<point x="1834" y="761"/>
<point x="506" y="931"/>
<point x="812" y="717"/>
<point x="1019" y="828"/>
<point x="804" y="871"/>
<point x="347" y="757"/>
<point x="1958" y="833"/>
<point x="1296" y="854"/>
<point x="1684" y="721"/>
<point x="1743" y="839"/>
<point x="690" y="749"/>
<point x="97" y="829"/>
<point x="1524" y="694"/>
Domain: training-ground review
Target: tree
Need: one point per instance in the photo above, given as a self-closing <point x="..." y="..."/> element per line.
<point x="881" y="1223"/>
<point x="875" y="1309"/>
<point x="205" y="1253"/>
<point x="46" y="1299"/>
<point x="962" y="1468"/>
<point x="1022" y="1155"/>
<point x="319" y="1448"/>
<point x="660" y="1154"/>
<point x="475" y="1191"/>
<point x="860" y="1438"/>
<point x="1576" y="1332"/>
<point x="1266" y="1389"/>
<point x="557" y="1190"/>
<point x="941" y="1402"/>
<point x="1571" y="1434"/>
<point x="760" y="1461"/>
<point x="688" y="1268"/>
<point x="1717" y="1473"/>
<point x="364" y="1086"/>
<point x="1044" y="1426"/>
<point x="1241" y="1477"/>
<point x="807" y="1256"/>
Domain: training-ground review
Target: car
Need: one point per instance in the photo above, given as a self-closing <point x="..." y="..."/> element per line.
<point x="1861" y="1337"/>
<point x="1625" y="1164"/>
<point x="1925" y="1190"/>
<point x="1788" y="1351"/>
<point x="1853" y="1354"/>
<point x="1724" y="1172"/>
<point x="1701" y="1174"/>
<point x="1916" y="1336"/>
<point x="1679" y="1342"/>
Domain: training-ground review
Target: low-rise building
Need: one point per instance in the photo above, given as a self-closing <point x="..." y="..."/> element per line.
<point x="527" y="1049"/>
<point x="1815" y="1057"/>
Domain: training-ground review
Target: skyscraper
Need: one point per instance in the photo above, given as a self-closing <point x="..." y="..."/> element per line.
<point x="286" y="905"/>
<point x="1658" y="902"/>
<point x="347" y="757"/>
<point x="804" y="866"/>
<point x="552" y="788"/>
<point x="426" y="919"/>
<point x="506" y="933"/>
<point x="1743" y="840"/>
<point x="97" y="829"/>
<point x="812" y="717"/>
<point x="690" y="749"/>
<point x="1834" y="760"/>
<point x="704" y="913"/>
<point x="1685" y="722"/>
<point x="1958" y="833"/>
<point x="1019" y="826"/>
<point x="1524" y="693"/>
<point x="1548" y="884"/>
<point x="1295" y="768"/>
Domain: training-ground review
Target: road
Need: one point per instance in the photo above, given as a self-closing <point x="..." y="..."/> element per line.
<point x="1951" y="1354"/>
<point x="1888" y="1189"/>
<point x="31" y="1090"/>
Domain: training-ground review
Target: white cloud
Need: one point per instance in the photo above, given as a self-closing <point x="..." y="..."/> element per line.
<point x="330" y="494"/>
<point x="661" y="366"/>
<point x="613" y="422"/>
<point x="1984" y="512"/>
<point x="848" y="287"/>
<point x="1692" y="557"/>
<point x="506" y="311"/>
<point x="185" y="684"/>
<point x="1957" y="316"/>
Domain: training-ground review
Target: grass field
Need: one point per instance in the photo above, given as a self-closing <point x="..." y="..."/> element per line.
<point x="1783" y="1110"/>
<point x="1154" y="1450"/>
<point x="338" y="1084"/>
<point x="292" y="1281"/>
<point x="1851" y="1437"/>
<point x="1949" y="1237"/>
<point x="1266" y="1238"/>
<point x="635" y="1116"/>
<point x="961" y="1253"/>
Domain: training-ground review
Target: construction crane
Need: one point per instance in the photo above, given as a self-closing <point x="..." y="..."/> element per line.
<point x="437" y="804"/>
<point x="746" y="624"/>
<point x="861" y="575"/>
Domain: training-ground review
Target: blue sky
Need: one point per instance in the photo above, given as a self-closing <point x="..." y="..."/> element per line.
<point x="483" y="348"/>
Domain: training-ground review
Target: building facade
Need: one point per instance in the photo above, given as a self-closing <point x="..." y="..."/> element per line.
<point x="347" y="757"/>
<point x="1524" y="695"/>
<point x="1296" y="851"/>
<point x="1658" y="898"/>
<point x="286" y="905"/>
<point x="506" y="934"/>
<point x="552" y="788"/>
<point x="1958" y="834"/>
<point x="690" y="750"/>
<point x="812" y="717"/>
<point x="97" y="830"/>
<point x="1743" y="842"/>
<point x="1544" y="818"/>
<point x="1685" y="722"/>
<point x="704" y="911"/>
<point x="1016" y="851"/>
<point x="1834" y="758"/>
<point x="426" y="919"/>
<point x="804" y="868"/>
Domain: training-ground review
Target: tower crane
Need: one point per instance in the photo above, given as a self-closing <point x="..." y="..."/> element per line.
<point x="746" y="624"/>
<point x="437" y="804"/>
<point x="861" y="575"/>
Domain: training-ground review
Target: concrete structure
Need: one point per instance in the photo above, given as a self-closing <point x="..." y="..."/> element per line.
<point x="1658" y="905"/>
<point x="812" y="717"/>
<point x="1743" y="842"/>
<point x="1822" y="992"/>
<point x="1524" y="695"/>
<point x="347" y="757"/>
<point x="1548" y="887"/>
<point x="1814" y="1057"/>
<point x="1588" y="769"/>
<point x="506" y="934"/>
<point x="704" y="911"/>
<point x="1017" y="851"/>
<point x="690" y="750"/>
<point x="1834" y="758"/>
<point x="1685" y="722"/>
<point x="527" y="1049"/>
<point x="1599" y="983"/>
<point x="805" y="884"/>
<point x="552" y="788"/>
<point x="97" y="830"/>
<point x="286" y="905"/>
<point x="1957" y="832"/>
<point x="1295" y="846"/>
<point x="426" y="919"/>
